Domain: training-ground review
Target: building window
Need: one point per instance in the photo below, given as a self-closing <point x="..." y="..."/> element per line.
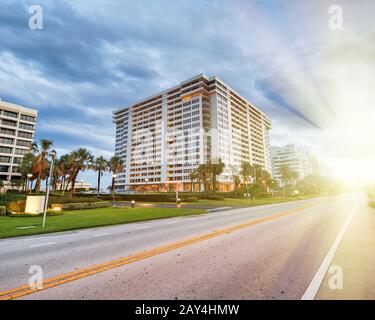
<point x="23" y="143"/>
<point x="27" y="135"/>
<point x="9" y="123"/>
<point x="4" y="159"/>
<point x="25" y="126"/>
<point x="4" y="168"/>
<point x="27" y="118"/>
<point x="5" y="150"/>
<point x="20" y="151"/>
<point x="10" y="114"/>
<point x="6" y="140"/>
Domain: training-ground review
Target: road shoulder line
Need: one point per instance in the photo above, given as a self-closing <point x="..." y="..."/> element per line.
<point x="318" y="278"/>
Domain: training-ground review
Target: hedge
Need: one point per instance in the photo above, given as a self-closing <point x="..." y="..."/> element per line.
<point x="150" y="197"/>
<point x="82" y="206"/>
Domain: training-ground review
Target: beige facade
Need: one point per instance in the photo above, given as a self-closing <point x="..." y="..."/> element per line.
<point x="164" y="137"/>
<point x="17" y="128"/>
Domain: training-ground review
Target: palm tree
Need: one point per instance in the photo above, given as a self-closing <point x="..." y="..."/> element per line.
<point x="39" y="165"/>
<point x="100" y="165"/>
<point x="204" y="173"/>
<point x="80" y="160"/>
<point x="193" y="175"/>
<point x="63" y="165"/>
<point x="246" y="172"/>
<point x="216" y="169"/>
<point x="236" y="182"/>
<point x="116" y="164"/>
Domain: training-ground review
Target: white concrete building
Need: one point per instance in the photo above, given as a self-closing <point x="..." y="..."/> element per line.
<point x="164" y="137"/>
<point x="299" y="159"/>
<point x="17" y="128"/>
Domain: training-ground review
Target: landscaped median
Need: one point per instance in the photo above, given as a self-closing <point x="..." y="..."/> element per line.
<point x="21" y="225"/>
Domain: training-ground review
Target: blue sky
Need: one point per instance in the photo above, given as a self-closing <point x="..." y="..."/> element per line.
<point x="93" y="56"/>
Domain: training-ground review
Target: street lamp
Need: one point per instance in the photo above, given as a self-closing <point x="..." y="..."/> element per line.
<point x="146" y="180"/>
<point x="81" y="185"/>
<point x="53" y="156"/>
<point x="114" y="176"/>
<point x="177" y="199"/>
<point x="28" y="182"/>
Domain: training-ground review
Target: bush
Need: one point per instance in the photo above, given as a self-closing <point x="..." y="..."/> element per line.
<point x="85" y="205"/>
<point x="3" y="210"/>
<point x="213" y="197"/>
<point x="67" y="199"/>
<point x="16" y="206"/>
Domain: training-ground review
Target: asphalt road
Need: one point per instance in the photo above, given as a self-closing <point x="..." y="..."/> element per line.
<point x="280" y="251"/>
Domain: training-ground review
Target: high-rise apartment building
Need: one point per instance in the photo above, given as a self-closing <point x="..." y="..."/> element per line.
<point x="164" y="137"/>
<point x="17" y="128"/>
<point x="298" y="159"/>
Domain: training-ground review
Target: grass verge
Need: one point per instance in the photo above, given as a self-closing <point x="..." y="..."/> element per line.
<point x="233" y="202"/>
<point x="80" y="219"/>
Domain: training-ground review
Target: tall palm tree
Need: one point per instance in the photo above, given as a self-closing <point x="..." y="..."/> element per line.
<point x="246" y="172"/>
<point x="63" y="165"/>
<point x="116" y="164"/>
<point x="100" y="165"/>
<point x="216" y="168"/>
<point x="193" y="175"/>
<point x="204" y="173"/>
<point x="39" y="165"/>
<point x="80" y="160"/>
<point x="236" y="182"/>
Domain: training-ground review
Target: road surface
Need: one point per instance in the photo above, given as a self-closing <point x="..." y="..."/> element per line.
<point x="318" y="248"/>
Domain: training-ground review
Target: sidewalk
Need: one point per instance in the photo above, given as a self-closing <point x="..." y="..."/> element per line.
<point x="356" y="257"/>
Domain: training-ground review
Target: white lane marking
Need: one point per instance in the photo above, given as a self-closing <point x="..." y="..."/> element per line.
<point x="316" y="282"/>
<point x="101" y="235"/>
<point x="42" y="244"/>
<point x="173" y="222"/>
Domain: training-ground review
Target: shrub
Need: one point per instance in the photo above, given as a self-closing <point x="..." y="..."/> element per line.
<point x="85" y="205"/>
<point x="3" y="210"/>
<point x="67" y="199"/>
<point x="16" y="206"/>
<point x="213" y="197"/>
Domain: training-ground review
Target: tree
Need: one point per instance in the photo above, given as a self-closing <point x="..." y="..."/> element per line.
<point x="62" y="168"/>
<point x="79" y="160"/>
<point x="40" y="165"/>
<point x="100" y="165"/>
<point x="204" y="173"/>
<point x="216" y="168"/>
<point x="236" y="182"/>
<point x="25" y="167"/>
<point x="193" y="175"/>
<point x="116" y="164"/>
<point x="287" y="176"/>
<point x="246" y="172"/>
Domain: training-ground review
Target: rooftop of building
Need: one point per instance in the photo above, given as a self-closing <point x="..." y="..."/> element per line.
<point x="202" y="75"/>
<point x="16" y="107"/>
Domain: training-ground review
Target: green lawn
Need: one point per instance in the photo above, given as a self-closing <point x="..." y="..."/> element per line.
<point x="80" y="219"/>
<point x="232" y="202"/>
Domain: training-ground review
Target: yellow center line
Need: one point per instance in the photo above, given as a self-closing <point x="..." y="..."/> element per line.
<point x="71" y="276"/>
